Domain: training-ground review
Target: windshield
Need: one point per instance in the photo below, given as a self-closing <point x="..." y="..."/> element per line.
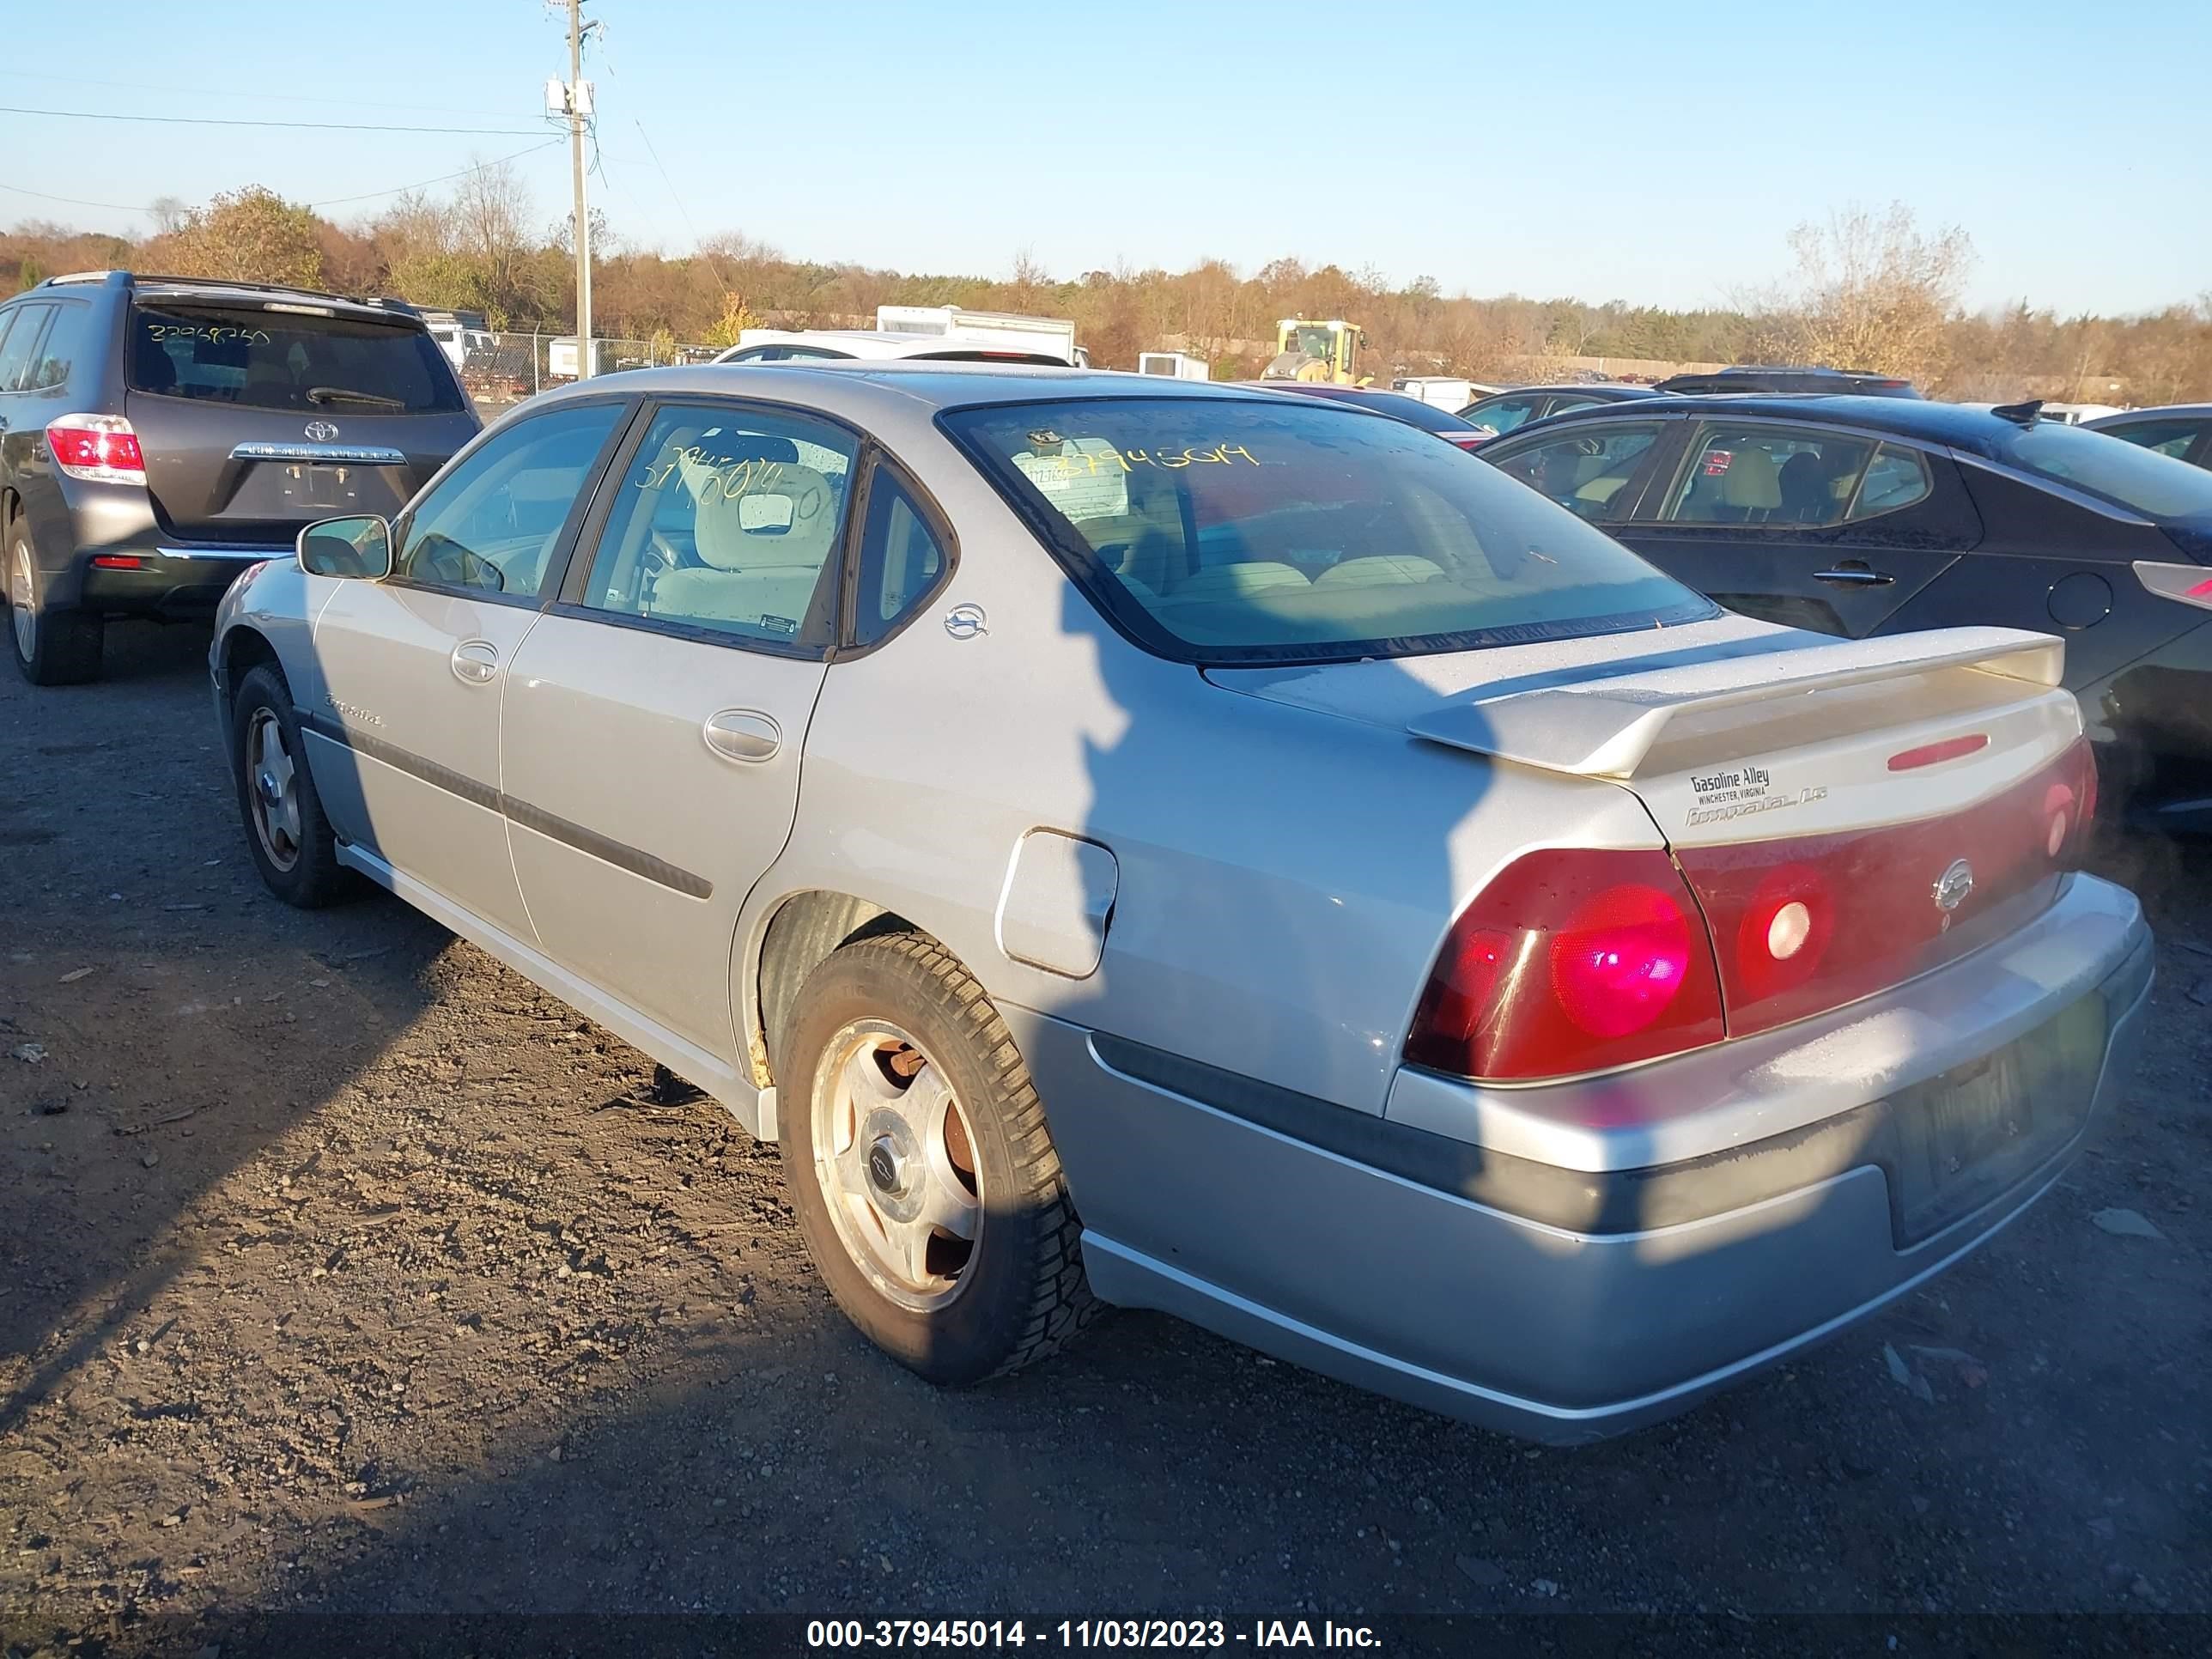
<point x="1267" y="530"/>
<point x="2155" y="485"/>
<point x="282" y="359"/>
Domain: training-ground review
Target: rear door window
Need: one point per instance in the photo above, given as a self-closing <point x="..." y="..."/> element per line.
<point x="53" y="357"/>
<point x="22" y="337"/>
<point x="730" y="521"/>
<point x="261" y="359"/>
<point x="1768" y="476"/>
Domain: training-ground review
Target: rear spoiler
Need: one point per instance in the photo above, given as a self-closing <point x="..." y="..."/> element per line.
<point x="1605" y="728"/>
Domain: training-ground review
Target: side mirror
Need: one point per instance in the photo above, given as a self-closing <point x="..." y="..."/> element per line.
<point x="359" y="547"/>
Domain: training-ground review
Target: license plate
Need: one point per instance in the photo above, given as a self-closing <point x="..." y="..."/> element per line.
<point x="1963" y="1138"/>
<point x="328" y="486"/>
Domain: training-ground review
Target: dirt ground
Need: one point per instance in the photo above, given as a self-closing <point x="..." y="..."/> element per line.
<point x="341" y="1270"/>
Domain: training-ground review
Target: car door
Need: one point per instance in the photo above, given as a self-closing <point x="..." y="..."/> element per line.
<point x="1815" y="526"/>
<point x="1596" y="469"/>
<point x="654" y="720"/>
<point x="21" y="432"/>
<point x="404" y="739"/>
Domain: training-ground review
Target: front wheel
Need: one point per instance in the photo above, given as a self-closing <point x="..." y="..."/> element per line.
<point x="52" y="646"/>
<point x="292" y="842"/>
<point x="924" y="1178"/>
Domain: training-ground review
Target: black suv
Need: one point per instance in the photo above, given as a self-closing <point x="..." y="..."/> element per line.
<point x="159" y="433"/>
<point x="1792" y="382"/>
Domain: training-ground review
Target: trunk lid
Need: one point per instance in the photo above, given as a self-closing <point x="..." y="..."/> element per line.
<point x="1847" y="813"/>
<point x="257" y="419"/>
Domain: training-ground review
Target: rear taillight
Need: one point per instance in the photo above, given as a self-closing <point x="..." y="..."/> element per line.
<point x="1810" y="922"/>
<point x="98" y="449"/>
<point x="1571" y="961"/>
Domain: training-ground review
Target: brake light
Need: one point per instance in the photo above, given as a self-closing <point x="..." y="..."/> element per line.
<point x="98" y="449"/>
<point x="1571" y="960"/>
<point x="1932" y="754"/>
<point x="1807" y="923"/>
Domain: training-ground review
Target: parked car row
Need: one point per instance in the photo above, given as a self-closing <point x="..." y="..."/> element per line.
<point x="1146" y="842"/>
<point x="1864" y="517"/>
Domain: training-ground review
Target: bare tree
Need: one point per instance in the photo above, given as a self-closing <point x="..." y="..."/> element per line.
<point x="169" y="214"/>
<point x="1874" y="293"/>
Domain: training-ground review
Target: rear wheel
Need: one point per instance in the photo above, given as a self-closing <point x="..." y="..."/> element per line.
<point x="53" y="646"/>
<point x="292" y="843"/>
<point x="924" y="1179"/>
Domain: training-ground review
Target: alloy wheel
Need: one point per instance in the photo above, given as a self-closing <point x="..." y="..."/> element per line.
<point x="896" y="1164"/>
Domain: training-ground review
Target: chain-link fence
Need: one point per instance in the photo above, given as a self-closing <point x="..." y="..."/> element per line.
<point x="499" y="369"/>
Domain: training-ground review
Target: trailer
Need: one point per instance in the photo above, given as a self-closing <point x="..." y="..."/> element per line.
<point x="1175" y="365"/>
<point x="991" y="329"/>
<point x="1439" y="391"/>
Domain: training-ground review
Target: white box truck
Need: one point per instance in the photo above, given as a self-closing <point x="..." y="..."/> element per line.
<point x="1441" y="391"/>
<point x="990" y="329"/>
<point x="561" y="357"/>
<point x="1177" y="365"/>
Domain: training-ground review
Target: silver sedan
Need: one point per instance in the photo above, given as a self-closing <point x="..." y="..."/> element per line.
<point x="1153" y="844"/>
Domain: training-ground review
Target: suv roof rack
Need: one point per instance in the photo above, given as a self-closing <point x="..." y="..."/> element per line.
<point x="132" y="279"/>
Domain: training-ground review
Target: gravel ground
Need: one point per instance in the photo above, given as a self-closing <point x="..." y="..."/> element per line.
<point x="342" y="1270"/>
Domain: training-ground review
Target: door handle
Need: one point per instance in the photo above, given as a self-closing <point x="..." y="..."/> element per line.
<point x="1854" y="573"/>
<point x="740" y="734"/>
<point x="476" y="662"/>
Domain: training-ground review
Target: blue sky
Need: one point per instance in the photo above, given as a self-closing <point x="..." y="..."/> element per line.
<point x="1658" y="153"/>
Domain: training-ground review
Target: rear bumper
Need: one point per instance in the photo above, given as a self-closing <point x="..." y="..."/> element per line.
<point x="175" y="578"/>
<point x="1566" y="1303"/>
<point x="173" y="583"/>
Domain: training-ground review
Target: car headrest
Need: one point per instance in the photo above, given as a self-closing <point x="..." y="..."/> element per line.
<point x="783" y="515"/>
<point x="1753" y="481"/>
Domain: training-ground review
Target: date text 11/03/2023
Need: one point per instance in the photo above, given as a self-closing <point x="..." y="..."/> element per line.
<point x="939" y="1633"/>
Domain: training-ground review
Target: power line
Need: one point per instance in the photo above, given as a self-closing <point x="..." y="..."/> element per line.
<point x="218" y="121"/>
<point x="698" y="242"/>
<point x="422" y="184"/>
<point x="334" y="201"/>
<point x="231" y="95"/>
<point x="73" y="201"/>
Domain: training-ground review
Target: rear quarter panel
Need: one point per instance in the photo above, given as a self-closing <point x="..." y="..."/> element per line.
<point x="1285" y="877"/>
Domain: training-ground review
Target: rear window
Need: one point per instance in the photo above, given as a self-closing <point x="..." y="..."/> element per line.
<point x="1275" y="531"/>
<point x="261" y="359"/>
<point x="2155" y="485"/>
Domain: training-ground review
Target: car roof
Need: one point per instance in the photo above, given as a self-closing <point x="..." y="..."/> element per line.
<point x="1908" y="417"/>
<point x="212" y="290"/>
<point x="861" y="389"/>
<point x="1594" y="388"/>
<point x="2154" y="411"/>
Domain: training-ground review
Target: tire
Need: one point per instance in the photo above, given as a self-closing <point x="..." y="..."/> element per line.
<point x="51" y="646"/>
<point x="1017" y="1292"/>
<point x="292" y="843"/>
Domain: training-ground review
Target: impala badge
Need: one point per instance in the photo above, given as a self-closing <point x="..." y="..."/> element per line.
<point x="1953" y="886"/>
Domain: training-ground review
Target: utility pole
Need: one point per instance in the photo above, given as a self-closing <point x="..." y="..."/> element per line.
<point x="578" y="105"/>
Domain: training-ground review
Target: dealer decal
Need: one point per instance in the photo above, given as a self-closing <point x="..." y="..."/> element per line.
<point x="1740" y="790"/>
